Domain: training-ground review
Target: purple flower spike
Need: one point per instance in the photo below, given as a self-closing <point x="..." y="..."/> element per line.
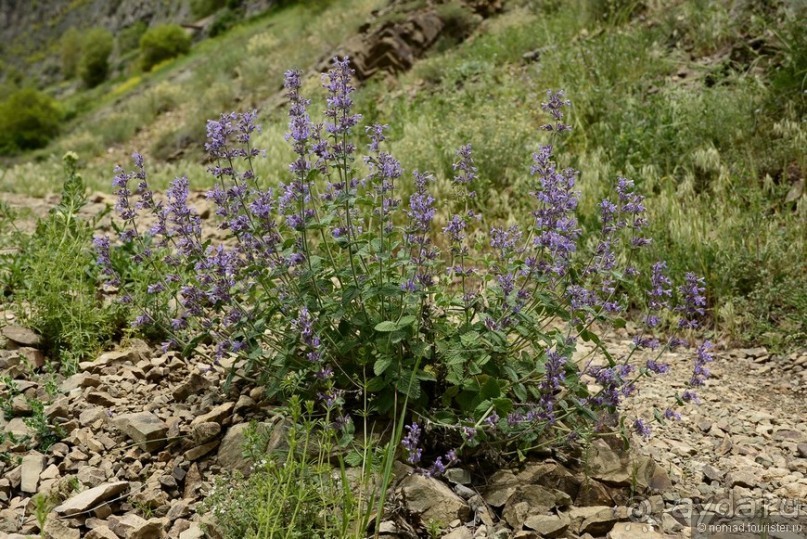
<point x="642" y="429"/>
<point x="411" y="443"/>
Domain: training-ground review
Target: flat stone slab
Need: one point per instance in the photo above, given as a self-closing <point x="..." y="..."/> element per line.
<point x="22" y="336"/>
<point x="32" y="465"/>
<point x="144" y="428"/>
<point x="84" y="501"/>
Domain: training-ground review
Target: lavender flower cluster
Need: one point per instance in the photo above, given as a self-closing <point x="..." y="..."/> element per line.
<point x="330" y="286"/>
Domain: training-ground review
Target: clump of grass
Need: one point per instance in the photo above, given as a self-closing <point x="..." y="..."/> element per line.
<point x="302" y="490"/>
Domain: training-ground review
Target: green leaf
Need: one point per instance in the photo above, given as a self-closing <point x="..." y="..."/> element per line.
<point x="520" y="392"/>
<point x="490" y="389"/>
<point x="469" y="339"/>
<point x="388" y="326"/>
<point x="376" y="384"/>
<point x="503" y="406"/>
<point x="354" y="458"/>
<point x="381" y="365"/>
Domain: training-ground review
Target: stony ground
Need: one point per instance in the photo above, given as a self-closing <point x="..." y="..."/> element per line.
<point x="143" y="435"/>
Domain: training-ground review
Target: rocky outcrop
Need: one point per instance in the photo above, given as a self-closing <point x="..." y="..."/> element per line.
<point x="399" y="35"/>
<point x="28" y="28"/>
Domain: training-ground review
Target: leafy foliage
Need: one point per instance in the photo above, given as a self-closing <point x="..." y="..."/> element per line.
<point x="60" y="299"/>
<point x="330" y="290"/>
<point x="94" y="65"/>
<point x="28" y="120"/>
<point x="162" y="43"/>
<point x="70" y="45"/>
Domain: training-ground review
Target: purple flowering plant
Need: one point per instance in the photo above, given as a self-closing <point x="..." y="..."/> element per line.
<point x="329" y="286"/>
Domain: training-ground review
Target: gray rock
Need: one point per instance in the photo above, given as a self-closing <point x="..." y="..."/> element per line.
<point x="144" y="428"/>
<point x="432" y="500"/>
<point x="79" y="380"/>
<point x="101" y="532"/>
<point x="194" y="532"/>
<point x="502" y="485"/>
<point x="22" y="336"/>
<point x="529" y="500"/>
<point x="17" y="428"/>
<point x="127" y="525"/>
<point x="32" y="465"/>
<point x="91" y="415"/>
<point x="195" y="453"/>
<point x="548" y="525"/>
<point x="230" y="454"/>
<point x="217" y="415"/>
<point x="633" y="530"/>
<point x="58" y="529"/>
<point x="458" y="476"/>
<point x="802" y="450"/>
<point x="91" y="476"/>
<point x="460" y="533"/>
<point x="88" y="499"/>
<point x="744" y="477"/>
<point x="193" y="385"/>
<point x="204" y="432"/>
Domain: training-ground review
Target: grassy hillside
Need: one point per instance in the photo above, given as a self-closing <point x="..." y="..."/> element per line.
<point x="702" y="103"/>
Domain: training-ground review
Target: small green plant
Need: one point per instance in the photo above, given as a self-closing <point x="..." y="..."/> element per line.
<point x="295" y="492"/>
<point x="11" y="241"/>
<point x="70" y="45"/>
<point x="45" y="434"/>
<point x="94" y="65"/>
<point x="162" y="43"/>
<point x="29" y="119"/>
<point x="60" y="300"/>
<point x="43" y="505"/>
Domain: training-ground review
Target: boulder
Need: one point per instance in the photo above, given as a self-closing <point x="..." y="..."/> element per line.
<point x="432" y="500"/>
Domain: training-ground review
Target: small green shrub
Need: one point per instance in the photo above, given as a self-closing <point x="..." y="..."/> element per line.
<point x="70" y="52"/>
<point x="129" y="37"/>
<point x="296" y="492"/>
<point x="163" y="43"/>
<point x="94" y="66"/>
<point x="29" y="119"/>
<point x="60" y="300"/>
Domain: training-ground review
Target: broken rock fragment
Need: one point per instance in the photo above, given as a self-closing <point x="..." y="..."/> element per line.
<point x="89" y="499"/>
<point x="144" y="428"/>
